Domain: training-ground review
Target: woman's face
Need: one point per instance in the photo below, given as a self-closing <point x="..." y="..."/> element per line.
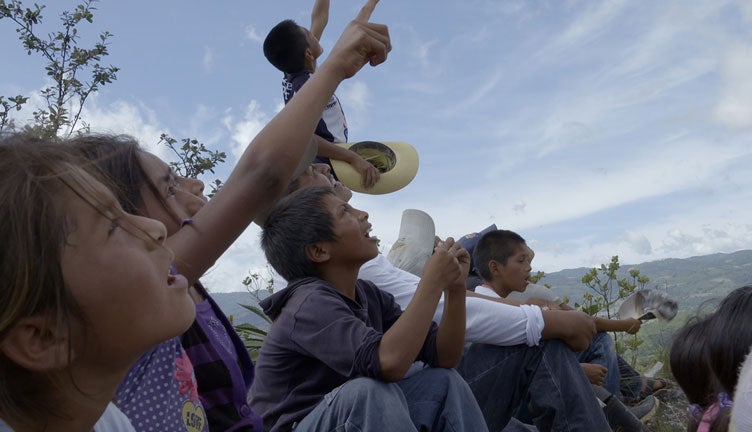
<point x="179" y="198"/>
<point x="118" y="270"/>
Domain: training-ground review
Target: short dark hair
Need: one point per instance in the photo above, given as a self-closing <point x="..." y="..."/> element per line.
<point x="298" y="220"/>
<point x="285" y="47"/>
<point x="497" y="245"/>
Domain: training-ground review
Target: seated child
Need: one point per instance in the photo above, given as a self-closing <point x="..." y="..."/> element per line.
<point x="503" y="261"/>
<point x="332" y="332"/>
<point x="85" y="289"/>
<point x="505" y="339"/>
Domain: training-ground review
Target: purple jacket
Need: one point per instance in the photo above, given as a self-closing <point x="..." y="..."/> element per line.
<point x="319" y="339"/>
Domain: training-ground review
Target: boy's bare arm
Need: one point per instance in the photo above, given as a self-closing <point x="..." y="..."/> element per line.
<point x="319" y="18"/>
<point x="403" y="341"/>
<point x="629" y="325"/>
<point x="369" y="174"/>
<point x="450" y="339"/>
<point x="264" y="170"/>
<point x="575" y="328"/>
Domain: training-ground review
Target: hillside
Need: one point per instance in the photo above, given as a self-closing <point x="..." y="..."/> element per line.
<point x="691" y="281"/>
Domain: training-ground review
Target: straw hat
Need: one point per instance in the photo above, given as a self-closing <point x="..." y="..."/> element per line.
<point x="397" y="162"/>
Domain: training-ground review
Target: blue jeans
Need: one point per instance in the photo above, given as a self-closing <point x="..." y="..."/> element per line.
<point x="603" y="352"/>
<point x="433" y="399"/>
<point x="546" y="381"/>
<point x="631" y="381"/>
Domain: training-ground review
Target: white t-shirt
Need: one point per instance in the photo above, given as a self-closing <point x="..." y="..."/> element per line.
<point x="488" y="321"/>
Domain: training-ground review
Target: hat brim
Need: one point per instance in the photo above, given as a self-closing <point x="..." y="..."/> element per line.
<point x="403" y="168"/>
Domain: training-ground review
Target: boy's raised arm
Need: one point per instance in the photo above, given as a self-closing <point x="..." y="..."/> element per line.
<point x="267" y="165"/>
<point x="451" y="336"/>
<point x="400" y="345"/>
<point x="319" y="18"/>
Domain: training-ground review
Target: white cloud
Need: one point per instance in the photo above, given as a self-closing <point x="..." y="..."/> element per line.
<point x="243" y="131"/>
<point x="208" y="59"/>
<point x="252" y="35"/>
<point x="734" y="108"/>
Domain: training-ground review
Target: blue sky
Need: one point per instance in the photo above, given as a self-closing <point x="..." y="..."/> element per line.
<point x="591" y="128"/>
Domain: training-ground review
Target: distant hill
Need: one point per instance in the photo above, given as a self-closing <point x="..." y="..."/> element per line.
<point x="231" y="306"/>
<point x="691" y="281"/>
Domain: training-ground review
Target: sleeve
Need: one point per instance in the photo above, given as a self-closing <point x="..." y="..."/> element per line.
<point x="392" y="311"/>
<point x="337" y="338"/>
<point x="399" y="283"/>
<point x="501" y="324"/>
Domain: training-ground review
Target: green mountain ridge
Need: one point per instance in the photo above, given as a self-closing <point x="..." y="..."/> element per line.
<point x="693" y="282"/>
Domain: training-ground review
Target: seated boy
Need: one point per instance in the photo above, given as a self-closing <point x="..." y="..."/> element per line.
<point x="503" y="261"/>
<point x="506" y="340"/>
<point x="339" y="344"/>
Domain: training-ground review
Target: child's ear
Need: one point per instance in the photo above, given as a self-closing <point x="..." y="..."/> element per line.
<point x="309" y="59"/>
<point x="494" y="268"/>
<point x="36" y="345"/>
<point x="317" y="252"/>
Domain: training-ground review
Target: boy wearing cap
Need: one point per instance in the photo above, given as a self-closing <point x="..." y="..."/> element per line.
<point x="331" y="330"/>
<point x="294" y="50"/>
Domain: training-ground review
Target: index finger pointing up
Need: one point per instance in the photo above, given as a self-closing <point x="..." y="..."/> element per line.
<point x="365" y="12"/>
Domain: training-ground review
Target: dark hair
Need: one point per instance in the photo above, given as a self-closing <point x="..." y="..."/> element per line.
<point x="116" y="159"/>
<point x="38" y="178"/>
<point x="690" y="365"/>
<point x="298" y="220"/>
<point x="497" y="245"/>
<point x="688" y="358"/>
<point x="285" y="47"/>
<point x="729" y="337"/>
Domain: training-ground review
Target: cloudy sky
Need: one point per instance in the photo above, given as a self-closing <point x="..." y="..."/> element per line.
<point x="591" y="128"/>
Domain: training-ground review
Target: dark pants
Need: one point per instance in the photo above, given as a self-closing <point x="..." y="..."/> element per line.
<point x="546" y="379"/>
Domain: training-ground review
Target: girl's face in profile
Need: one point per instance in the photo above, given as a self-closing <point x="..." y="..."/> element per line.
<point x="182" y="196"/>
<point x="118" y="270"/>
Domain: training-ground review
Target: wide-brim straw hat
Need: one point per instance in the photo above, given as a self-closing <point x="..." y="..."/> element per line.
<point x="396" y="160"/>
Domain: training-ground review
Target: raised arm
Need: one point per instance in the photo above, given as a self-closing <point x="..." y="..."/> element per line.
<point x="319" y="18"/>
<point x="261" y="175"/>
<point x="450" y="339"/>
<point x="403" y="341"/>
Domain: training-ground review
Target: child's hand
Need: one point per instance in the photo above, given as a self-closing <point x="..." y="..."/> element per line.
<point x="361" y="42"/>
<point x="369" y="174"/>
<point x="463" y="260"/>
<point x="442" y="269"/>
<point x="595" y="373"/>
<point x="633" y="325"/>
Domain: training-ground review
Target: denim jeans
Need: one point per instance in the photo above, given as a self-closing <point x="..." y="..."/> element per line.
<point x="433" y="399"/>
<point x="631" y="381"/>
<point x="546" y="381"/>
<point x="603" y="352"/>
